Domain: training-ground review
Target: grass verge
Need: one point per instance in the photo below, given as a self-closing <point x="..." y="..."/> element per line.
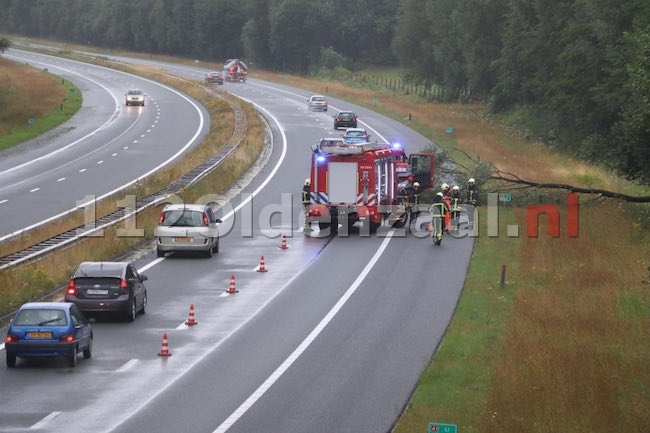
<point x="32" y="101"/>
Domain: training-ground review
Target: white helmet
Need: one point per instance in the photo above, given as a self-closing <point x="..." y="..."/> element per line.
<point x="307" y="181"/>
<point x="455" y="188"/>
<point x="471" y="180"/>
<point x="439" y="194"/>
<point x="445" y="186"/>
<point x="416" y="184"/>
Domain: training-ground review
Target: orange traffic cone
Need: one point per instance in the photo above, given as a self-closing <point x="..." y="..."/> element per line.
<point x="232" y="289"/>
<point x="164" y="350"/>
<point x="190" y="320"/>
<point x="284" y="246"/>
<point x="262" y="267"/>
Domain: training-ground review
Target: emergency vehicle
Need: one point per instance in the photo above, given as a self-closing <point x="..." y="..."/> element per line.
<point x="366" y="182"/>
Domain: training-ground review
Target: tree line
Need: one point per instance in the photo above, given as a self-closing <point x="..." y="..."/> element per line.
<point x="577" y="70"/>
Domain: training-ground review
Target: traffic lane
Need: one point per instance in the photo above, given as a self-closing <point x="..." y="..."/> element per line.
<point x="136" y="141"/>
<point x="98" y="108"/>
<point x="125" y="366"/>
<point x="359" y="373"/>
<point x="225" y="377"/>
<point x="381" y="128"/>
<point x="149" y="383"/>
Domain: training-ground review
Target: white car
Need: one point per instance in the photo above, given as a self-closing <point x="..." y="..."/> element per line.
<point x="317" y="103"/>
<point x="187" y="228"/>
<point x="135" y="97"/>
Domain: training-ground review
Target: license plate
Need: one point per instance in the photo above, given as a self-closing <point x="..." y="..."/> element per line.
<point x="97" y="291"/>
<point x="184" y="239"/>
<point x="40" y="335"/>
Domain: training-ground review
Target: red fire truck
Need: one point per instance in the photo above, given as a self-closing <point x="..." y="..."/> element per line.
<point x="367" y="183"/>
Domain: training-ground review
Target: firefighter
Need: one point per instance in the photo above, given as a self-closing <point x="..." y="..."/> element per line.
<point x="446" y="197"/>
<point x="438" y="211"/>
<point x="306" y="200"/>
<point x="471" y="201"/>
<point x="456" y="199"/>
<point x="414" y="194"/>
<point x="446" y="190"/>
<point x="414" y="201"/>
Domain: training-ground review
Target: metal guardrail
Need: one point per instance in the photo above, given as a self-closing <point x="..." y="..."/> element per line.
<point x="78" y="234"/>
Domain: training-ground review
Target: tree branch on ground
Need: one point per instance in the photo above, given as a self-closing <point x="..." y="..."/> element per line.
<point x="523" y="183"/>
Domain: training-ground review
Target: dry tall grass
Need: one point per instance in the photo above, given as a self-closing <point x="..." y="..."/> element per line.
<point x="574" y="357"/>
<point x="26" y="93"/>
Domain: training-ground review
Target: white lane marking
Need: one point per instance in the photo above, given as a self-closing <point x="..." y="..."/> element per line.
<point x="100" y="162"/>
<point x="259" y="392"/>
<point x="60" y="179"/>
<point x="82" y="170"/>
<point x="4" y="201"/>
<point x="127" y="365"/>
<point x="34" y="189"/>
<point x="45" y="420"/>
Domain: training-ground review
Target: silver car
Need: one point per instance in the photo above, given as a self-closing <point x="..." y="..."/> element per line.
<point x="187" y="228"/>
<point x="317" y="103"/>
<point x="135" y="97"/>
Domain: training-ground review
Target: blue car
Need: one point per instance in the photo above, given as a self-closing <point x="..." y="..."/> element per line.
<point x="356" y="136"/>
<point x="48" y="330"/>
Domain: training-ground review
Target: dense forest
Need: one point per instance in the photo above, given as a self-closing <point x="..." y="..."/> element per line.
<point x="578" y="69"/>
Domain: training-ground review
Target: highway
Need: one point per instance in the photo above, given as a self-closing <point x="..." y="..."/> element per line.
<point x="333" y="338"/>
<point x="104" y="147"/>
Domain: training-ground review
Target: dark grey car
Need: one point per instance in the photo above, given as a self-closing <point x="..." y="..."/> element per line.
<point x="114" y="287"/>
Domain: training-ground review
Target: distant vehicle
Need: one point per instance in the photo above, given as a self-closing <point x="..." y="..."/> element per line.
<point x="235" y="71"/>
<point x="187" y="228"/>
<point x="345" y="119"/>
<point x="355" y="136"/>
<point x="317" y="103"/>
<point x="48" y="330"/>
<point x="214" y="77"/>
<point x="135" y="97"/>
<point x="113" y="287"/>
